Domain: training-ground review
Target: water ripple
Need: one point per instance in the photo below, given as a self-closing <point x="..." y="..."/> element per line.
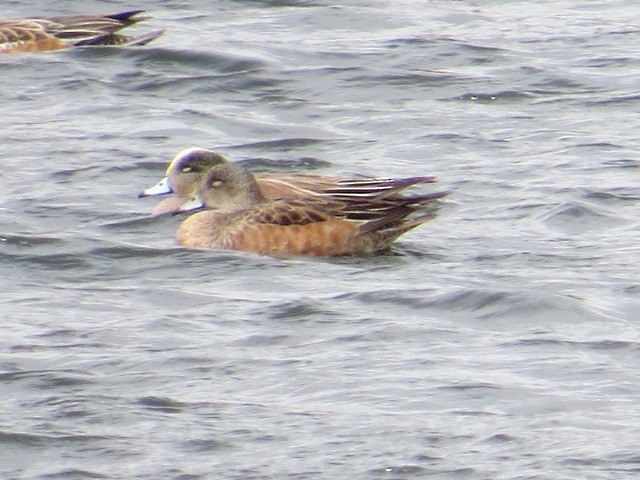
<point x="580" y="217"/>
<point x="482" y="304"/>
<point x="512" y="352"/>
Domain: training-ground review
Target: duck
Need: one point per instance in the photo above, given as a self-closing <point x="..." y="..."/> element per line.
<point x="55" y="33"/>
<point x="188" y="168"/>
<point x="238" y="216"/>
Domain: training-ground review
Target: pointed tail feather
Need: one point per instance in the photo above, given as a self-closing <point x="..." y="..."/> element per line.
<point x="144" y="39"/>
<point x="126" y="17"/>
<point x="117" y="39"/>
<point x="374" y="188"/>
<point x="385" y="231"/>
<point x="423" y="199"/>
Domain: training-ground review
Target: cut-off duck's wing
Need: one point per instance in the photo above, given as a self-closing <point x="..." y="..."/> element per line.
<point x="42" y="34"/>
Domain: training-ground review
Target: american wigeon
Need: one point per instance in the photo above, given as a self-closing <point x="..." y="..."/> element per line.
<point x="189" y="167"/>
<point x="41" y="34"/>
<point x="239" y="217"/>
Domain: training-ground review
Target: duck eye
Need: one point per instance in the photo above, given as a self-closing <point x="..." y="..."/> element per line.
<point x="186" y="169"/>
<point x="216" y="183"/>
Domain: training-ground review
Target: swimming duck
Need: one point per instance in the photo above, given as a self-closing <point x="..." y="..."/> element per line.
<point x="54" y="33"/>
<point x="189" y="167"/>
<point x="240" y="217"/>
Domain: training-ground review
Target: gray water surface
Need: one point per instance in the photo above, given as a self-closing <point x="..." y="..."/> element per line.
<point x="499" y="341"/>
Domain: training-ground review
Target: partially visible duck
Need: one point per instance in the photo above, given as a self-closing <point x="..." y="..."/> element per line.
<point x="55" y="33"/>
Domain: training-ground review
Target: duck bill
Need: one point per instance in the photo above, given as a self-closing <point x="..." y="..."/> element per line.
<point x="163" y="187"/>
<point x="194" y="204"/>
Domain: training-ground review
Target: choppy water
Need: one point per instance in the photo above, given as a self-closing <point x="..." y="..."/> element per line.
<point x="499" y="341"/>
